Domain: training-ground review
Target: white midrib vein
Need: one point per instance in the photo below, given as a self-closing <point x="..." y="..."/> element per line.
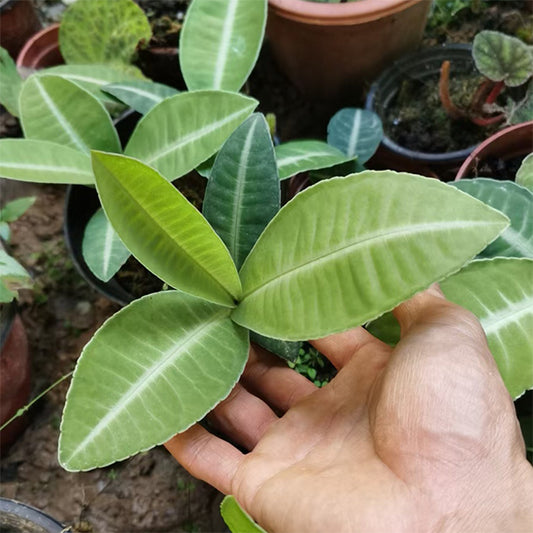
<point x="168" y="358"/>
<point x="44" y="167"/>
<point x="517" y="241"/>
<point x="495" y="321"/>
<point x="76" y="139"/>
<point x="190" y="138"/>
<point x="383" y="235"/>
<point x="146" y="94"/>
<point x="224" y="44"/>
<point x="354" y="135"/>
<point x="108" y="245"/>
<point x="290" y="159"/>
<point x="237" y="198"/>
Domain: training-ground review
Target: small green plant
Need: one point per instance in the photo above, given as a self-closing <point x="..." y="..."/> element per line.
<point x="505" y="61"/>
<point x="313" y="365"/>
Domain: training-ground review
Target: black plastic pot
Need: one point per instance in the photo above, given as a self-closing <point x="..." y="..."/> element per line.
<point x="16" y="517"/>
<point x="421" y="65"/>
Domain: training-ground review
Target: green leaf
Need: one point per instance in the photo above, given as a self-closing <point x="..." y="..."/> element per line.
<point x="524" y="176"/>
<point x="102" y="248"/>
<point x="385" y="328"/>
<point x="163" y="230"/>
<point x="500" y="293"/>
<point x="94" y="77"/>
<point x="521" y="111"/>
<point x="100" y="31"/>
<point x="10" y="83"/>
<point x="16" y="208"/>
<point x="184" y="130"/>
<point x="243" y="191"/>
<point x="55" y="109"/>
<point x="147" y="374"/>
<point x="355" y="132"/>
<point x="236" y="518"/>
<point x="287" y="350"/>
<point x="514" y="201"/>
<point x="220" y="42"/>
<point x="13" y="276"/>
<point x="301" y="156"/>
<point x="5" y="232"/>
<point x="140" y="95"/>
<point x="346" y="250"/>
<point x="501" y="57"/>
<point x="44" y="162"/>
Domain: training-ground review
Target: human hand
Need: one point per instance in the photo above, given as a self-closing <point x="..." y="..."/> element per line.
<point x="420" y="438"/>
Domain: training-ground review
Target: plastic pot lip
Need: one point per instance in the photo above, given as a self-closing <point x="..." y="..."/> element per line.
<point x="481" y="148"/>
<point x="337" y="14"/>
<point x="30" y="43"/>
<point x="31" y="514"/>
<point x="8" y="312"/>
<point x="420" y="56"/>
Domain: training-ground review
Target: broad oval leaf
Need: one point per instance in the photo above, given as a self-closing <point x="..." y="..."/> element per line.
<point x="102" y="249"/>
<point x="152" y="370"/>
<point x="243" y="191"/>
<point x="100" y="31"/>
<point x="10" y="83"/>
<point x="348" y="249"/>
<point x="58" y="110"/>
<point x="355" y="132"/>
<point x="524" y="176"/>
<point x="163" y="230"/>
<point x="301" y="156"/>
<point x="500" y="293"/>
<point x="13" y="276"/>
<point x="44" y="162"/>
<point x="220" y="42"/>
<point x="16" y="208"/>
<point x="140" y="95"/>
<point x="236" y="518"/>
<point x="501" y="57"/>
<point x="514" y="201"/>
<point x="184" y="130"/>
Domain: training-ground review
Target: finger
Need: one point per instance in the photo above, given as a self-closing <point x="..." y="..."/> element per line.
<point x="243" y="417"/>
<point x="340" y="347"/>
<point x="206" y="457"/>
<point x="272" y="380"/>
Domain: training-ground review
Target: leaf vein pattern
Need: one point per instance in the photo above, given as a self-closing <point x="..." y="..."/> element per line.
<point x="222" y="57"/>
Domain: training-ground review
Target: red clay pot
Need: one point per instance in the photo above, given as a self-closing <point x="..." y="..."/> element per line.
<point x="18" y="22"/>
<point x="15" y="382"/>
<point x="331" y="51"/>
<point x="505" y="144"/>
<point x="42" y="50"/>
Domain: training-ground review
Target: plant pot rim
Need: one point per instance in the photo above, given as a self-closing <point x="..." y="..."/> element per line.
<point x="5" y="3"/>
<point x="27" y="512"/>
<point x="326" y="14"/>
<point x="482" y="147"/>
<point x="424" y="54"/>
<point x="30" y="43"/>
<point x="8" y="312"/>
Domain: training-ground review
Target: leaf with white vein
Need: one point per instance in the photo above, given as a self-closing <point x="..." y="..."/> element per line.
<point x="152" y="370"/>
<point x="102" y="248"/>
<point x="524" y="176"/>
<point x="514" y="201"/>
<point x="355" y="132"/>
<point x="163" y="230"/>
<point x="10" y="83"/>
<point x="44" y="162"/>
<point x="220" y="42"/>
<point x="500" y="293"/>
<point x="58" y="110"/>
<point x="184" y="130"/>
<point x="300" y="156"/>
<point x="346" y="250"/>
<point x="140" y="95"/>
<point x="243" y="191"/>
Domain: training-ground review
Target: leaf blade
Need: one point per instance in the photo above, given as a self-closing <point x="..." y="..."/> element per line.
<point x="292" y="285"/>
<point x="140" y="95"/>
<point x="139" y="381"/>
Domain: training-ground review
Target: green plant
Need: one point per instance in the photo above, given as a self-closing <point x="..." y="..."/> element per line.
<point x="505" y="61"/>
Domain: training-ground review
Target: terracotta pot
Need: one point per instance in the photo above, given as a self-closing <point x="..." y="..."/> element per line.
<point x="18" y="22"/>
<point x="422" y="65"/>
<point x="15" y="383"/>
<point x="331" y="51"/>
<point x="509" y="143"/>
<point x="42" y="50"/>
<point x="18" y="517"/>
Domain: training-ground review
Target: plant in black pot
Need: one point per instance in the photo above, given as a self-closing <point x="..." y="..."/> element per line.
<point x="421" y="132"/>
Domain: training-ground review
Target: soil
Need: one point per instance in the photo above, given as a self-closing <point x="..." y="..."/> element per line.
<point x="498" y="168"/>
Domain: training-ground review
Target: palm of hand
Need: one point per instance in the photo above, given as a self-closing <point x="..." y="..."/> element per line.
<point x="411" y="439"/>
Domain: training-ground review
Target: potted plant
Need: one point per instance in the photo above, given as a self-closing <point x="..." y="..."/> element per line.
<point x="15" y="383"/>
<point x="440" y="138"/>
<point x="331" y="50"/>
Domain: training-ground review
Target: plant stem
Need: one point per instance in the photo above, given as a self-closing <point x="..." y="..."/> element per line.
<point x="496" y="90"/>
<point x="480" y="121"/>
<point x="444" y="93"/>
<point x="22" y="410"/>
